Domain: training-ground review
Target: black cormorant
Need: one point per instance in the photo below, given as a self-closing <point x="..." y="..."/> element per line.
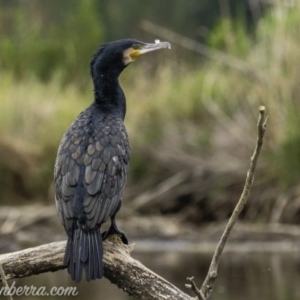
<point x="91" y="166"/>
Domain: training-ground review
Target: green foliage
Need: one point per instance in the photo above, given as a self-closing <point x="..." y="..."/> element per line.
<point x="290" y="160"/>
<point x="29" y="46"/>
<point x="230" y="36"/>
<point x="46" y="37"/>
<point x="180" y="118"/>
<point x="287" y="158"/>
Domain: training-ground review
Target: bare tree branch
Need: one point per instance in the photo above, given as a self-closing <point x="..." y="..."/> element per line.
<point x="3" y="278"/>
<point x="194" y="288"/>
<point x="154" y="194"/>
<point x="212" y="274"/>
<point x="121" y="269"/>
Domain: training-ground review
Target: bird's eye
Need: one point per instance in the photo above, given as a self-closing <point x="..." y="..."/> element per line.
<point x="135" y="46"/>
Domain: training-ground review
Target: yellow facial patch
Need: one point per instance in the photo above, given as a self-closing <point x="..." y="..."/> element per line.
<point x="130" y="55"/>
<point x="136" y="50"/>
<point x="135" y="53"/>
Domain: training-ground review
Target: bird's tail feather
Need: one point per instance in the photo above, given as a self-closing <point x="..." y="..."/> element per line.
<point x="84" y="251"/>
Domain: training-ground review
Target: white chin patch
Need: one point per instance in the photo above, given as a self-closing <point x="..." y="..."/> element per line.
<point x="127" y="59"/>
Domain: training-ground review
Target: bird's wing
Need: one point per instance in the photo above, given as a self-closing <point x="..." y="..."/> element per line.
<point x="90" y="173"/>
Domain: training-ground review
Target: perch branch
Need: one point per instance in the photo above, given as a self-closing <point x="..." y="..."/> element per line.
<point x="121" y="269"/>
<point x="212" y="274"/>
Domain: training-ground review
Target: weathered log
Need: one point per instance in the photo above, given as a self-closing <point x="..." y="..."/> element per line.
<point x="119" y="267"/>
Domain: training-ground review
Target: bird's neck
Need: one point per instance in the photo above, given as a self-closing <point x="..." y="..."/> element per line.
<point x="108" y="94"/>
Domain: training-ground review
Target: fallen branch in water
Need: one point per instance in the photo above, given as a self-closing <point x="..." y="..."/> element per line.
<point x="121" y="269"/>
<point x="154" y="194"/>
<point x="208" y="284"/>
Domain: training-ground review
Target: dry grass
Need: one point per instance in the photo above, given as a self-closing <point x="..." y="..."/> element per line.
<point x="202" y="120"/>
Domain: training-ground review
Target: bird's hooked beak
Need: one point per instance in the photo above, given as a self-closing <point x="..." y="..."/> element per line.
<point x="149" y="47"/>
<point x="137" y="50"/>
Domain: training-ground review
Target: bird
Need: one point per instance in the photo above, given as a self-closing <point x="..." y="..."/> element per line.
<point x="92" y="161"/>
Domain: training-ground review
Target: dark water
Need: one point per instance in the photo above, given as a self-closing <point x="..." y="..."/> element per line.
<point x="247" y="276"/>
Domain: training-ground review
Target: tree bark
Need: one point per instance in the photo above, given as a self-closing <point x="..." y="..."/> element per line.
<point x="119" y="267"/>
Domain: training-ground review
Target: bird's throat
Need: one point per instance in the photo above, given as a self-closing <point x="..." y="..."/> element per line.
<point x="108" y="94"/>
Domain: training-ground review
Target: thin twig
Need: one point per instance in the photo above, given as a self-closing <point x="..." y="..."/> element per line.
<point x="194" y="288"/>
<point x="10" y="221"/>
<point x="15" y="220"/>
<point x="212" y="274"/>
<point x="197" y="47"/>
<point x="154" y="194"/>
<point x="3" y="278"/>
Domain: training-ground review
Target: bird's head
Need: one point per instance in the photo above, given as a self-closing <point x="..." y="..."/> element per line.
<point x="117" y="55"/>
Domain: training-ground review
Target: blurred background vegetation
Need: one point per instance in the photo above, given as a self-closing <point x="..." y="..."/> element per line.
<point x="192" y="111"/>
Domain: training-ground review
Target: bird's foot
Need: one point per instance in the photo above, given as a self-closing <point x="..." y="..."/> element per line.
<point x="113" y="229"/>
